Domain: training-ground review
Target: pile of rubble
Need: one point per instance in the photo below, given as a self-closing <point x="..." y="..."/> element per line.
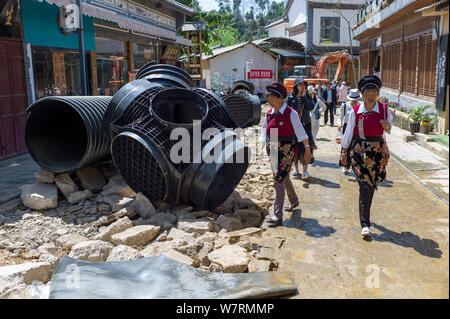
<point x="94" y="215"/>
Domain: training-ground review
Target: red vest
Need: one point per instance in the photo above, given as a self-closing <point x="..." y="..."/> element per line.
<point x="282" y="122"/>
<point x="372" y="125"/>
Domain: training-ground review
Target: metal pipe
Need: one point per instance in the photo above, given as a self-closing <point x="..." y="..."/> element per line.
<point x="82" y="52"/>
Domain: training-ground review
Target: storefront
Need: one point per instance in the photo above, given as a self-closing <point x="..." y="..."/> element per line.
<point x="54" y="55"/>
<point x="112" y="65"/>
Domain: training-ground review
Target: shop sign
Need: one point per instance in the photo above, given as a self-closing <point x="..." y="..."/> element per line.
<point x="260" y="74"/>
<point x="442" y="76"/>
<point x="194" y="54"/>
<point x="170" y="53"/>
<point x="8" y="12"/>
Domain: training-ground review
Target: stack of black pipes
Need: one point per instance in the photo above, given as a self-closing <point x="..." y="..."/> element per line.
<point x="134" y="128"/>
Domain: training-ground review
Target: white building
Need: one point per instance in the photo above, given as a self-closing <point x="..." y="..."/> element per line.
<point x="318" y="24"/>
<point x="232" y="63"/>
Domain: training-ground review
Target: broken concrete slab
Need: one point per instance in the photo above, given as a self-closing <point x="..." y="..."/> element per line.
<point x="79" y="196"/>
<point x="231" y="258"/>
<point x="122" y="253"/>
<point x="91" y="250"/>
<point x="137" y="235"/>
<point x="40" y="196"/>
<point x="65" y="184"/>
<point x="91" y="179"/>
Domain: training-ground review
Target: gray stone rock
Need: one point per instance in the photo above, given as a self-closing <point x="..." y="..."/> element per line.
<point x="92" y="250"/>
<point x="143" y="206"/>
<point x="208" y="237"/>
<point x="70" y="240"/>
<point x="27" y="272"/>
<point x="249" y="217"/>
<point x="44" y="176"/>
<point x="175" y="255"/>
<point x="165" y="220"/>
<point x="244" y="232"/>
<point x="65" y="184"/>
<point x="117" y="202"/>
<point x="231" y="258"/>
<point x="195" y="226"/>
<point x="123" y="253"/>
<point x="115" y="228"/>
<point x="108" y="170"/>
<point x="158" y="248"/>
<point x="268" y="253"/>
<point x="118" y="186"/>
<point x="91" y="179"/>
<point x="229" y="223"/>
<point x="232" y="201"/>
<point x="79" y="196"/>
<point x="189" y="250"/>
<point x="182" y="209"/>
<point x="203" y="254"/>
<point x="40" y="196"/>
<point x="260" y="265"/>
<point x="138" y="235"/>
<point x="47" y="248"/>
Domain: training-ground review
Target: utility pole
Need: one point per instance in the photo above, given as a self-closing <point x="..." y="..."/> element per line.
<point x="83" y="73"/>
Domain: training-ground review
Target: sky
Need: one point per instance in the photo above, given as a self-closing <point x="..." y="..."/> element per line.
<point x="208" y="5"/>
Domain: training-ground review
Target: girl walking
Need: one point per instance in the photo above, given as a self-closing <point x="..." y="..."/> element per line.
<point x="281" y="131"/>
<point x="368" y="151"/>
<point x="319" y="107"/>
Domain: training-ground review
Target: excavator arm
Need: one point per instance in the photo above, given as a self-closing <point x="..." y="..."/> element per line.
<point x="333" y="57"/>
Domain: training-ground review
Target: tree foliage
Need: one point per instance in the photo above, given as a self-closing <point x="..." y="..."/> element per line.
<point x="236" y="21"/>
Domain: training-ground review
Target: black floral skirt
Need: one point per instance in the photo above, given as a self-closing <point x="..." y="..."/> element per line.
<point x="282" y="164"/>
<point x="370" y="168"/>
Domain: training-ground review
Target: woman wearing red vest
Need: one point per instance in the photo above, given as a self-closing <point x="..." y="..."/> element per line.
<point x="281" y="131"/>
<point x="369" y="153"/>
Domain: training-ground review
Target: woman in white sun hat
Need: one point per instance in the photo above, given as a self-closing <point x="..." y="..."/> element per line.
<point x="354" y="98"/>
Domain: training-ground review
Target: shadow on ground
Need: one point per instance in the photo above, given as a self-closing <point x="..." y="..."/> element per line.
<point x="423" y="246"/>
<point x="309" y="225"/>
<point x="320" y="181"/>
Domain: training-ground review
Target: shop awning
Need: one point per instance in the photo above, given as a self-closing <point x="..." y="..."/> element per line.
<point x="289" y="53"/>
<point x="123" y="22"/>
<point x="183" y="41"/>
<point x="128" y="24"/>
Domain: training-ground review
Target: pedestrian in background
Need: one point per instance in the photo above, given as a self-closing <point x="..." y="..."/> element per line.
<point x="284" y="122"/>
<point x="342" y="93"/>
<point x="368" y="154"/>
<point x="319" y="89"/>
<point x="354" y="97"/>
<point x="330" y="99"/>
<point x="335" y="85"/>
<point x="319" y="107"/>
<point x="302" y="102"/>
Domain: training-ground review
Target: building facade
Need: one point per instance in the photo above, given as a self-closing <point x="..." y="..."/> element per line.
<point x="229" y="64"/>
<point x="404" y="42"/>
<point x="119" y="37"/>
<point x="321" y="26"/>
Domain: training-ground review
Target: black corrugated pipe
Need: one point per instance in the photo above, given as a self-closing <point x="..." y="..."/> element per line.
<point x="142" y="151"/>
<point x="131" y="102"/>
<point x="165" y="74"/>
<point x="177" y="107"/>
<point x="63" y="134"/>
<point x="245" y="108"/>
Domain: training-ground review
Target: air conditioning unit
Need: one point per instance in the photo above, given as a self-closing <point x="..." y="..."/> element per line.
<point x="69" y="18"/>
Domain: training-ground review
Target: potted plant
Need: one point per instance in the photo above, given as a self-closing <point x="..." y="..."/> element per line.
<point x="425" y="123"/>
<point x="415" y="115"/>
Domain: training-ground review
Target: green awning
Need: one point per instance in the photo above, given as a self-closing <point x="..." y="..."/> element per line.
<point x="290" y="53"/>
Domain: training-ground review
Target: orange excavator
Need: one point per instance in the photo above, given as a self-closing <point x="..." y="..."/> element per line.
<point x="319" y="70"/>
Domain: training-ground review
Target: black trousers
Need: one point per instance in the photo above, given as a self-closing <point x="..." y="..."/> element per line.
<point x="365" y="202"/>
<point x="330" y="109"/>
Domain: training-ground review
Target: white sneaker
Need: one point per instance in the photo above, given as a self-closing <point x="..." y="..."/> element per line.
<point x="345" y="170"/>
<point x="306" y="175"/>
<point x="295" y="172"/>
<point x="365" y="232"/>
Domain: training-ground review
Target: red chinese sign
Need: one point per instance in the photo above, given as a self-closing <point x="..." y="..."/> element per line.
<point x="260" y="74"/>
